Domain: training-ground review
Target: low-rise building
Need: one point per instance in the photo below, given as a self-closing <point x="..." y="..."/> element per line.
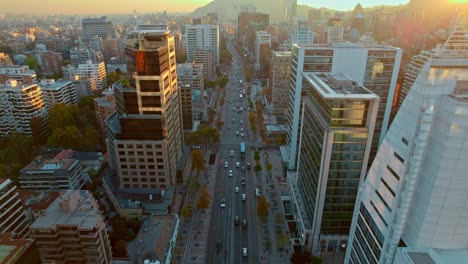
<point x="52" y="175"/>
<point x="72" y="231"/>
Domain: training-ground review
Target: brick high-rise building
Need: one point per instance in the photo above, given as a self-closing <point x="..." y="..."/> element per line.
<point x="144" y="135"/>
<point x="72" y="231"/>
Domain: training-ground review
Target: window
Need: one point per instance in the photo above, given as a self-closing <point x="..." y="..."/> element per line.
<point x="383" y="201"/>
<point x="393" y="173"/>
<point x="404" y="140"/>
<point x="388" y="187"/>
<point x="377" y="211"/>
<point x="398" y="157"/>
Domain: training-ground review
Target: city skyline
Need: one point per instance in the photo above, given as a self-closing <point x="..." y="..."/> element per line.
<point x="176" y="6"/>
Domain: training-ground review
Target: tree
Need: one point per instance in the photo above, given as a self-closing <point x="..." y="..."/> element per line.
<point x="256" y="156"/>
<point x="221" y="102"/>
<point x="222" y="81"/>
<point x="60" y="117"/>
<point x="269" y="167"/>
<point x="113" y="77"/>
<point x="257" y="167"/>
<point x="120" y="249"/>
<point x="198" y="161"/>
<point x="186" y="211"/>
<point x="263" y="207"/>
<point x="204" y="199"/>
<point x="252" y="121"/>
<point x="37" y="130"/>
<point x="32" y="63"/>
<point x="219" y="123"/>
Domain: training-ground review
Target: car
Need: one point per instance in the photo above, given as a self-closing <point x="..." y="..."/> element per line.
<point x="229" y="128"/>
<point x="232" y="153"/>
<point x="236" y="220"/>
<point x="233" y="109"/>
<point x="242" y="121"/>
<point x="223" y="203"/>
<point x="242" y="134"/>
<point x="219" y="245"/>
<point x="230" y="173"/>
<point x="237" y="164"/>
<point x="244" y="197"/>
<point x="237" y="133"/>
<point x="233" y="120"/>
<point x="244" y="224"/>
<point x="242" y="129"/>
<point x="243" y="181"/>
<point x="257" y="192"/>
<point x="226" y="164"/>
<point x="244" y="252"/>
<point x="237" y="189"/>
<point x="249" y="165"/>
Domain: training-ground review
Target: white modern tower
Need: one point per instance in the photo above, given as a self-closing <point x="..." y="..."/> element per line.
<point x="412" y="205"/>
<point x="202" y="37"/>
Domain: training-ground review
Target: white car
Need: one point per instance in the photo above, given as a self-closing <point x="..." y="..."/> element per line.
<point x="223" y="204"/>
<point x="244" y="197"/>
<point x="242" y="121"/>
<point x="230" y="173"/>
<point x="237" y="189"/>
<point x="242" y="129"/>
<point x="237" y="133"/>
<point x="226" y="164"/>
<point x="237" y="164"/>
<point x="232" y="153"/>
<point x="244" y="252"/>
<point x="242" y="134"/>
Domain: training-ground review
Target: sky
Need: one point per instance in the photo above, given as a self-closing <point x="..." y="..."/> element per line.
<point x="142" y="6"/>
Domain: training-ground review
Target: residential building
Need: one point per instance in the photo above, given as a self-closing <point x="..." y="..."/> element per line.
<point x="69" y="72"/>
<point x="202" y="37"/>
<point x="18" y="250"/>
<point x="262" y="38"/>
<point x="84" y="86"/>
<point x="280" y="70"/>
<point x="58" y="91"/>
<point x="36" y="202"/>
<point x="412" y="70"/>
<point x="111" y="48"/>
<point x="144" y="135"/>
<point x="13" y="218"/>
<point x="104" y="107"/>
<point x="52" y="175"/>
<point x="335" y="31"/>
<point x="97" y="71"/>
<point x="302" y="34"/>
<point x="373" y="66"/>
<point x="51" y="62"/>
<point x="207" y="59"/>
<point x="339" y="116"/>
<point x="83" y="54"/>
<point x="412" y="203"/>
<point x="190" y="74"/>
<point x="100" y="27"/>
<point x="72" y="219"/>
<point x="382" y="25"/>
<point x="19" y="73"/>
<point x="114" y="64"/>
<point x="161" y="239"/>
<point x="19" y="105"/>
<point x="185" y="92"/>
<point x="5" y="60"/>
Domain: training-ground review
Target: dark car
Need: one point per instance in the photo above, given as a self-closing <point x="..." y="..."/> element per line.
<point x="236" y="220"/>
<point x="219" y="245"/>
<point x="244" y="224"/>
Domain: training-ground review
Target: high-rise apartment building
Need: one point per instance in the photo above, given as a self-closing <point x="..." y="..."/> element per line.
<point x="202" y="37"/>
<point x="207" y="59"/>
<point x="81" y="55"/>
<point x="52" y="175"/>
<point x="373" y="66"/>
<point x="335" y="31"/>
<point x="13" y="219"/>
<point x="100" y="27"/>
<point x="5" y="60"/>
<point x="84" y="86"/>
<point x="185" y="92"/>
<point x="280" y="70"/>
<point x="262" y="39"/>
<point x="144" y="136"/>
<point x="104" y="107"/>
<point x="190" y="74"/>
<point x="111" y="48"/>
<point x="97" y="71"/>
<point x="412" y="204"/>
<point x="19" y="73"/>
<point x="51" y="61"/>
<point x="381" y="25"/>
<point x="412" y="71"/>
<point x="58" y="91"/>
<point x="72" y="231"/>
<point x="18" y="105"/>
<point x="339" y="117"/>
<point x="302" y="34"/>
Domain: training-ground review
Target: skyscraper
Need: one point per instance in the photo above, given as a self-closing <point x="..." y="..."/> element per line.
<point x="280" y="68"/>
<point x="413" y="201"/>
<point x="202" y="37"/>
<point x="373" y="66"/>
<point x="144" y="135"/>
<point x="262" y="41"/>
<point x="339" y="117"/>
<point x="100" y="27"/>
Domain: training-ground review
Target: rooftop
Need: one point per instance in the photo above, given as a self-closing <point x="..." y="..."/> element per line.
<point x="337" y="85"/>
<point x="37" y="201"/>
<point x="51" y="84"/>
<point x="75" y="208"/>
<point x="49" y="164"/>
<point x="12" y="249"/>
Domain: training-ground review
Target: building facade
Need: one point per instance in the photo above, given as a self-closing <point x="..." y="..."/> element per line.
<point x="207" y="59"/>
<point x="72" y="231"/>
<point x="60" y="91"/>
<point x="19" y="105"/>
<point x="21" y="74"/>
<point x="339" y="117"/>
<point x="51" y="62"/>
<point x="280" y="70"/>
<point x="190" y="74"/>
<point x="100" y="27"/>
<point x="144" y="135"/>
<point x="262" y="38"/>
<point x="97" y="71"/>
<point x="13" y="219"/>
<point x="412" y="71"/>
<point x="104" y="107"/>
<point x="302" y="34"/>
<point x="413" y="200"/>
<point x="52" y="175"/>
<point x="373" y="66"/>
<point x="202" y="37"/>
<point x="185" y="92"/>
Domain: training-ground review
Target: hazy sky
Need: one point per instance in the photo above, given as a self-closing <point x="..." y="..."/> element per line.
<point x="142" y="6"/>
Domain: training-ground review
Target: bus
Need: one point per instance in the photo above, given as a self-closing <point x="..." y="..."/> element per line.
<point x="242" y="150"/>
